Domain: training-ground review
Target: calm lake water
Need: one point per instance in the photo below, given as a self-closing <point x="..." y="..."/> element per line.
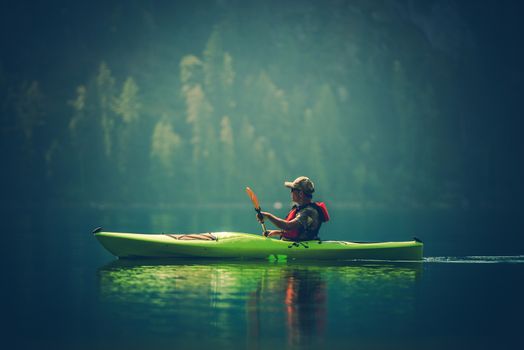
<point x="64" y="291"/>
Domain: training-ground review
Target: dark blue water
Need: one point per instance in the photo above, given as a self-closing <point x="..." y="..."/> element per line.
<point x="63" y="291"/>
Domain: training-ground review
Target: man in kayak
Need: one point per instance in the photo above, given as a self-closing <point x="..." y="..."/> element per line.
<point x="305" y="218"/>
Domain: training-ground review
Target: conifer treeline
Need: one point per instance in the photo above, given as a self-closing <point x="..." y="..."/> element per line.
<point x="350" y="110"/>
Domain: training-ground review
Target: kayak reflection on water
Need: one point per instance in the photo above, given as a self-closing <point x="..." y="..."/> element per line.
<point x="262" y="303"/>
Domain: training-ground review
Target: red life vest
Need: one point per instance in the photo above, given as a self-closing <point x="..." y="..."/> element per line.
<point x="323" y="216"/>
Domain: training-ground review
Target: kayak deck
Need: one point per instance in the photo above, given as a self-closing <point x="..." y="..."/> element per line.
<point x="236" y="245"/>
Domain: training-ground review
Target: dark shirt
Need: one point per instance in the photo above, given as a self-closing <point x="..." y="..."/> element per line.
<point x="309" y="220"/>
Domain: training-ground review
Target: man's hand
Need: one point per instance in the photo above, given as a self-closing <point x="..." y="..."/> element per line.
<point x="260" y="217"/>
<point x="271" y="233"/>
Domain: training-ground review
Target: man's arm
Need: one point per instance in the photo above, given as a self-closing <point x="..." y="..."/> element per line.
<point x="282" y="224"/>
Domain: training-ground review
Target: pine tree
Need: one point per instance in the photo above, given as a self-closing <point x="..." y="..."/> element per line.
<point x="166" y="161"/>
<point x="227" y="156"/>
<point x="127" y="107"/>
<point x="105" y="89"/>
<point x="77" y="139"/>
<point x="199" y="113"/>
<point x="30" y="111"/>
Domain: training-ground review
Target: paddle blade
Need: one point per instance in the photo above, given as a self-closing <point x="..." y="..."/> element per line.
<point x="253" y="197"/>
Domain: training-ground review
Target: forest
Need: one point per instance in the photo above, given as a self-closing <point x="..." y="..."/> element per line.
<point x="383" y="104"/>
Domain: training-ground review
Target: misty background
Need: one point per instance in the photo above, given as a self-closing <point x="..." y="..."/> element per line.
<point x="383" y="104"/>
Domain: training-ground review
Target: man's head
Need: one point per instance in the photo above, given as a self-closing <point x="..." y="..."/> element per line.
<point x="302" y="184"/>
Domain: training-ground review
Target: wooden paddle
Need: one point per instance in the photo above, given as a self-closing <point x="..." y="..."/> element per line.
<point x="254" y="199"/>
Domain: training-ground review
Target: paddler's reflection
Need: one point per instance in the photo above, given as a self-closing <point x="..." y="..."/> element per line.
<point x="305" y="301"/>
<point x="301" y="295"/>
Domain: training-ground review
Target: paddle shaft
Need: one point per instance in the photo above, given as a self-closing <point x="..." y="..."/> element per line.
<point x="254" y="199"/>
<point x="259" y="214"/>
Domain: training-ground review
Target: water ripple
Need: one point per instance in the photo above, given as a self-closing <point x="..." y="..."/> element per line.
<point x="486" y="259"/>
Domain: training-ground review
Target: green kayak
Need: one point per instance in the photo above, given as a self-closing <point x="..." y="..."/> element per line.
<point x="231" y="245"/>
